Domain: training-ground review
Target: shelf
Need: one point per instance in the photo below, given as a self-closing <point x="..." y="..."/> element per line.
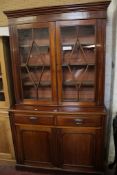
<point x="63" y="65"/>
<point x="34" y="65"/>
<point x="34" y="98"/>
<point x="84" y="83"/>
<point x="46" y="83"/>
<point x="78" y="64"/>
<point x="69" y="46"/>
<point x="77" y="100"/>
<point x="38" y="44"/>
<point x="28" y="46"/>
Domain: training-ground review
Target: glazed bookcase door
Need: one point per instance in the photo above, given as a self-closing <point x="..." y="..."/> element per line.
<point x="77" y="66"/>
<point x="37" y="62"/>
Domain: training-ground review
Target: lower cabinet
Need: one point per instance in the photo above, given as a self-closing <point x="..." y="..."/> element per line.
<point x="58" y="144"/>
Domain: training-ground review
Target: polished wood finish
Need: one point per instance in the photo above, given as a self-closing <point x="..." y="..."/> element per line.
<point x="36" y="145"/>
<point x="65" y="133"/>
<point x="99" y="6"/>
<point x="83" y="120"/>
<point x="81" y="133"/>
<point x="34" y="119"/>
<point x="80" y="156"/>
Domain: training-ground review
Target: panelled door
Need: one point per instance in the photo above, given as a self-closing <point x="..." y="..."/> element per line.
<point x="35" y="145"/>
<point x="80" y="148"/>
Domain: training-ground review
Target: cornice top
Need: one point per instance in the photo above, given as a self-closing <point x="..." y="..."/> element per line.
<point x="94" y="6"/>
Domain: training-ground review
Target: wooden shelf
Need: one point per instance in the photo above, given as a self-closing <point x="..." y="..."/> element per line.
<point x="46" y="83"/>
<point x="33" y="98"/>
<point x="38" y="43"/>
<point x="35" y="65"/>
<point x="84" y="45"/>
<point x="76" y="100"/>
<point x="28" y="46"/>
<point x="84" y="83"/>
<point x="71" y="83"/>
<point x="78" y="64"/>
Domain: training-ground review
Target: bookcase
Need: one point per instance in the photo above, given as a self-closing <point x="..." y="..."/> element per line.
<point x="58" y="119"/>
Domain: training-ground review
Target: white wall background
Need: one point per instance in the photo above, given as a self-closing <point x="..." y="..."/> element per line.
<point x="111" y="71"/>
<point x="4" y="31"/>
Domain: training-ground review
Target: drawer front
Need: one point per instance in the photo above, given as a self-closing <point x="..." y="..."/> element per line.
<point x="89" y="121"/>
<point x="34" y="119"/>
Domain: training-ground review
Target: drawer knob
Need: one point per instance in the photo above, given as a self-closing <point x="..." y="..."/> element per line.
<point x="33" y="118"/>
<point x="78" y="121"/>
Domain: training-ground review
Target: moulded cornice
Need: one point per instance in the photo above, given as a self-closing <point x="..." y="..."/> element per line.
<point x="95" y="6"/>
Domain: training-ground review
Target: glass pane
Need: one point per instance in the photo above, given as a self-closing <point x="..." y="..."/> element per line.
<point x="35" y="63"/>
<point x="2" y="97"/>
<point x="78" y="62"/>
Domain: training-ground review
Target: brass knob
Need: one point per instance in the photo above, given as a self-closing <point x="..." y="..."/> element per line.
<point x="33" y="118"/>
<point x="78" y="121"/>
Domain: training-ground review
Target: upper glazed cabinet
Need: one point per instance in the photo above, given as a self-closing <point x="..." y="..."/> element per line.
<point x="59" y="59"/>
<point x="75" y="66"/>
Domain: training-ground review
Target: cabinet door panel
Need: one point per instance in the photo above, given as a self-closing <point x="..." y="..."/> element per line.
<point x="76" y="41"/>
<point x="35" y="145"/>
<point x="37" y="62"/>
<point x="80" y="147"/>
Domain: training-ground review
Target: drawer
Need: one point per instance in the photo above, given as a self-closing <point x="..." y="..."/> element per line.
<point x="34" y="119"/>
<point x="89" y="121"/>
